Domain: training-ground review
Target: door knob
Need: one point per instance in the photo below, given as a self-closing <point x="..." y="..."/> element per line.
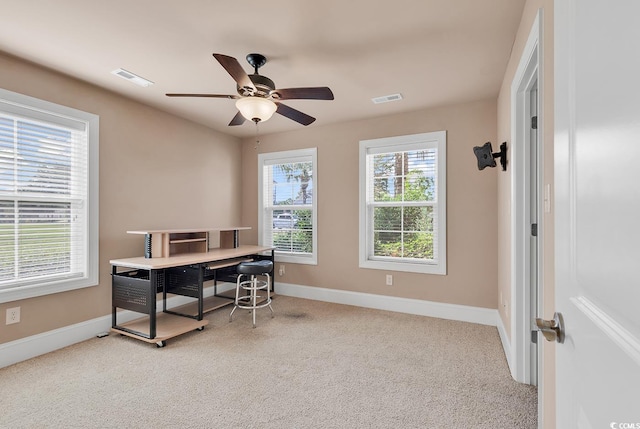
<point x="553" y="330"/>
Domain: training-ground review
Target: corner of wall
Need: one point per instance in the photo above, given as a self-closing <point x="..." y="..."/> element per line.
<point x="506" y="343"/>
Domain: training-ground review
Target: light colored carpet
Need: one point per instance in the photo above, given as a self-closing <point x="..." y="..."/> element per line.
<point x="315" y="365"/>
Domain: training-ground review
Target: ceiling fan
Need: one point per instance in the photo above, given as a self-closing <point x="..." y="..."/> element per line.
<point x="258" y="99"/>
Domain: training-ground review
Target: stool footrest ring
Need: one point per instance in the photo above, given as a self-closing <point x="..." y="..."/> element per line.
<point x="251" y="307"/>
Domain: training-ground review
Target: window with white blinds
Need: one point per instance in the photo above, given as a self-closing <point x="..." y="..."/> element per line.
<point x="48" y="197"/>
<point x="287" y="204"/>
<point x="403" y="203"/>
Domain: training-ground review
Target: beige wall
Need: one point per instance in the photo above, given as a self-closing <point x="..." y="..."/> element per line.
<point x="504" y="190"/>
<point x="156" y="171"/>
<point x="471" y="205"/>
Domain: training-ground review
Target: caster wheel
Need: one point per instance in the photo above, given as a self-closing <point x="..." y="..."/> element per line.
<point x="201" y="328"/>
<point x="161" y="344"/>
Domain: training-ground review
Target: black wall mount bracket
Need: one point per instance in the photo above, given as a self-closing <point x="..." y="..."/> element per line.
<point x="486" y="156"/>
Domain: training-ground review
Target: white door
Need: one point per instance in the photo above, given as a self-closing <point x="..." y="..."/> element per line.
<point x="597" y="228"/>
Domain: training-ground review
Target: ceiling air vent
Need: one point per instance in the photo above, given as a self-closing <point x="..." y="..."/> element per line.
<point x="387" y="98"/>
<point x="131" y="77"/>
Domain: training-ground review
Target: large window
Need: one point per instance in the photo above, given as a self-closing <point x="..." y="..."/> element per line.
<point x="48" y="197"/>
<point x="287" y="204"/>
<point x="403" y="203"/>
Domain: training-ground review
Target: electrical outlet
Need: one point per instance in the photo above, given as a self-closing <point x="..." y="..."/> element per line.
<point x="389" y="280"/>
<point x="13" y="315"/>
<point x="281" y="271"/>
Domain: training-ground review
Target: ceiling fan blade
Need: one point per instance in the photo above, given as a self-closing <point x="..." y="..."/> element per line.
<point x="237" y="120"/>
<point x="294" y="114"/>
<point x="233" y="67"/>
<point x="233" y="97"/>
<point x="311" y="93"/>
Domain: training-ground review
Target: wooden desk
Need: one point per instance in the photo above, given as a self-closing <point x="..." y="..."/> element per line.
<point x="136" y="282"/>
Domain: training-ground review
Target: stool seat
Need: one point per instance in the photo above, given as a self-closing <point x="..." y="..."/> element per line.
<point x="255" y="267"/>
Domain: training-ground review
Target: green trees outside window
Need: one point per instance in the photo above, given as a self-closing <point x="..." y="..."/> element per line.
<point x="403" y="198"/>
<point x="294" y="233"/>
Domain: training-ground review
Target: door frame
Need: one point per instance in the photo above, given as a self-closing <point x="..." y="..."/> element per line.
<point x="528" y="71"/>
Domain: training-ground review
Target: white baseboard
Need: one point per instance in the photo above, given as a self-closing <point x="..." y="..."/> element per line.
<point x="463" y="313"/>
<point x="506" y="344"/>
<point x="46" y="342"/>
<point x="36" y="345"/>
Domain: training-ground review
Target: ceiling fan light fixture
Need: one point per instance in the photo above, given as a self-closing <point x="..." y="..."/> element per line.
<point x="256" y="109"/>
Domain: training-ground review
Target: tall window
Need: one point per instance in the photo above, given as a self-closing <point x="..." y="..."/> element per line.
<point x="48" y="197"/>
<point x="403" y="203"/>
<point x="287" y="204"/>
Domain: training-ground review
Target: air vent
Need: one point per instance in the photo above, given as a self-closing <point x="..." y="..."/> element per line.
<point x="131" y="77"/>
<point x="125" y="74"/>
<point x="387" y="98"/>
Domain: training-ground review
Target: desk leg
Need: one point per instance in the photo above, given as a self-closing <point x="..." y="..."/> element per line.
<point x="153" y="277"/>
<point x="201" y="291"/>
<point x="114" y="322"/>
<point x="273" y="271"/>
<point x="164" y="298"/>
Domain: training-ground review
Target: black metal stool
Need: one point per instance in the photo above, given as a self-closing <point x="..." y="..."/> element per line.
<point x="253" y="285"/>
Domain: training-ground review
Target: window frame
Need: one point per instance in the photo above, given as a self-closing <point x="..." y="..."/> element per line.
<point x="35" y="109"/>
<point x="265" y="233"/>
<point x="437" y="140"/>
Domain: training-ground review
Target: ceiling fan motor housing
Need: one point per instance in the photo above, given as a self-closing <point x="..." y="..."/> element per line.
<point x="263" y="84"/>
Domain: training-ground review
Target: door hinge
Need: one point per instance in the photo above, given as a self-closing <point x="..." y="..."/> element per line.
<point x="534" y="229"/>
<point x="534" y="122"/>
<point x="534" y="337"/>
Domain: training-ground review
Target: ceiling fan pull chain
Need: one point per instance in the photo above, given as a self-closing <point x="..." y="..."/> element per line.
<point x="257" y="135"/>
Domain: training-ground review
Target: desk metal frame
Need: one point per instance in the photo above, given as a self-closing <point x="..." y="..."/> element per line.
<point x="135" y="288"/>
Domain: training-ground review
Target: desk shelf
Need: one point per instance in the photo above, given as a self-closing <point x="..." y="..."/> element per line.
<point x="167" y="326"/>
<point x="209" y="304"/>
<point x="172" y="242"/>
<point x="187" y="242"/>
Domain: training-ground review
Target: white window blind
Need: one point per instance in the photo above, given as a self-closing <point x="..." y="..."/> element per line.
<point x="45" y="225"/>
<point x="402" y="203"/>
<point x="287" y="204"/>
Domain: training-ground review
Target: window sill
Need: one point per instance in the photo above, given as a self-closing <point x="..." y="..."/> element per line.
<point x="439" y="269"/>
<point x="291" y="259"/>
<point x="35" y="290"/>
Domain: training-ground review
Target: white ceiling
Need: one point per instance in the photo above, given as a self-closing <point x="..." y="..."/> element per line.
<point x="433" y="52"/>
